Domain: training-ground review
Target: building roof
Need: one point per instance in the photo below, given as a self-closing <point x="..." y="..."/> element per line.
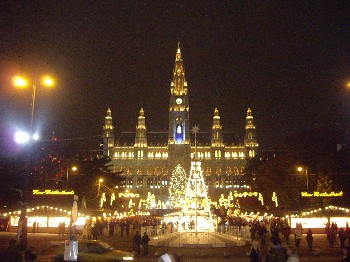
<point x="161" y="139"/>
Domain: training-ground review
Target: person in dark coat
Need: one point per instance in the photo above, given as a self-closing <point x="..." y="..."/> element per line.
<point x="144" y="242"/>
<point x="137" y="243"/>
<point x="342" y="237"/>
<point x="309" y="239"/>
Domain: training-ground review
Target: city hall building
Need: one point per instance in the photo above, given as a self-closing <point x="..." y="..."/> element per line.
<point x="148" y="159"/>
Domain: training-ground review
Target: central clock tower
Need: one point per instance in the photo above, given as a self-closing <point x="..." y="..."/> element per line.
<point x="179" y="129"/>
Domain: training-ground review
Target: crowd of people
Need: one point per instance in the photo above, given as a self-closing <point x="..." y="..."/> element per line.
<point x="271" y="240"/>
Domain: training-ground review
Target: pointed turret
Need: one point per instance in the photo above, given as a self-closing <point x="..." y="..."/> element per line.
<point x="250" y="140"/>
<point x="179" y="84"/>
<point x="141" y="131"/>
<point x="216" y="135"/>
<point x="179" y="131"/>
<point x="107" y="135"/>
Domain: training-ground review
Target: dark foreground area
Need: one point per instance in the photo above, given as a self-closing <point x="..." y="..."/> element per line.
<point x="40" y="241"/>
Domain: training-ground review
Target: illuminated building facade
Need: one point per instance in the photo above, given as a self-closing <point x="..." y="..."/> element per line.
<point x="148" y="158"/>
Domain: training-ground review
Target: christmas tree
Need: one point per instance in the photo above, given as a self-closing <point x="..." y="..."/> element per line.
<point x="178" y="184"/>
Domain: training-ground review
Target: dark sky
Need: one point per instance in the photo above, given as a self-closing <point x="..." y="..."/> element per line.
<point x="287" y="60"/>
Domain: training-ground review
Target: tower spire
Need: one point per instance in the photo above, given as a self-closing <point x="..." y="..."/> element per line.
<point x="107" y="135"/>
<point x="141" y="131"/>
<point x="250" y="141"/>
<point x="216" y="136"/>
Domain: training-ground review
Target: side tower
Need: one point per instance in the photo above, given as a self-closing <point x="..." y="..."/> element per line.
<point x="107" y="135"/>
<point x="141" y="137"/>
<point x="179" y="129"/>
<point x="217" y="143"/>
<point x="250" y="140"/>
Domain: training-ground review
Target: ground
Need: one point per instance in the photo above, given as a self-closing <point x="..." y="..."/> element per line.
<point x="39" y="241"/>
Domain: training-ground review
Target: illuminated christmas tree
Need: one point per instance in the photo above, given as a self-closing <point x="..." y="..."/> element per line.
<point x="196" y="209"/>
<point x="177" y="189"/>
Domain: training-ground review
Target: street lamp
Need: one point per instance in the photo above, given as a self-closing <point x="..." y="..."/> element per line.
<point x="99" y="185"/>
<point x="300" y="169"/>
<point x="21" y="138"/>
<point x="21" y="82"/>
<point x="73" y="168"/>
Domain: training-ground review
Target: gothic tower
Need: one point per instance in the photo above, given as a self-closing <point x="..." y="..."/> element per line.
<point x="179" y="129"/>
<point x="216" y="136"/>
<point x="107" y="135"/>
<point x="141" y="136"/>
<point x="250" y="140"/>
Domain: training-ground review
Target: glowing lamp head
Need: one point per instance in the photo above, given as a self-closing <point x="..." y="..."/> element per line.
<point x="300" y="168"/>
<point x="19" y="82"/>
<point x="48" y="81"/>
<point x="21" y="137"/>
<point x="36" y="137"/>
<point x="100" y="180"/>
<point x="74" y="168"/>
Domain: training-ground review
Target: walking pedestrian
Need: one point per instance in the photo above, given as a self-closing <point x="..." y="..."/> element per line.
<point x="144" y="242"/>
<point x="342" y="237"/>
<point x="137" y="243"/>
<point x="255" y="251"/>
<point x="309" y="239"/>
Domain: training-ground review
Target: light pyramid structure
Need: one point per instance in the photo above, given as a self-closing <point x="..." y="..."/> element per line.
<point x="196" y="215"/>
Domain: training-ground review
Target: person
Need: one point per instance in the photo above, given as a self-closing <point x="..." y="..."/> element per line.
<point x="63" y="228"/>
<point x="292" y="254"/>
<point x="331" y="236"/>
<point x="309" y="239"/>
<point x="346" y="252"/>
<point x="137" y="243"/>
<point x="342" y="237"/>
<point x="144" y="242"/>
<point x="34" y="227"/>
<point x="277" y="252"/>
<point x="95" y="231"/>
<point x="298" y="235"/>
<point x="255" y="251"/>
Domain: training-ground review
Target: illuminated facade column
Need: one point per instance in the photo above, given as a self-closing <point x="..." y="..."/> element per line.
<point x="107" y="135"/>
<point x="141" y="135"/>
<point x="217" y="144"/>
<point x="179" y="149"/>
<point x="250" y="140"/>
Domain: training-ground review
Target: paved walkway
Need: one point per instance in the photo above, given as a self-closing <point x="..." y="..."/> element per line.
<point x="209" y="254"/>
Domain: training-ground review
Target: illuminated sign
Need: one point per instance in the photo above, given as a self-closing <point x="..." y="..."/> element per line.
<point x="52" y="192"/>
<point x="324" y="194"/>
<point x="245" y="194"/>
<point x="128" y="194"/>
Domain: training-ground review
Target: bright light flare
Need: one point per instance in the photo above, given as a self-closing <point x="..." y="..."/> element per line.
<point x="36" y="137"/>
<point x="19" y="81"/>
<point x="74" y="168"/>
<point x="100" y="180"/>
<point x="48" y="81"/>
<point x="21" y="137"/>
<point x="300" y="168"/>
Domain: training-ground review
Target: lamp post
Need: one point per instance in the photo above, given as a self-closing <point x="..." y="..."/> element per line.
<point x="300" y="169"/>
<point x="73" y="168"/>
<point x="21" y="82"/>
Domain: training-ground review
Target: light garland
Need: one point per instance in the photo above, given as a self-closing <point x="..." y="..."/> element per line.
<point x="177" y="188"/>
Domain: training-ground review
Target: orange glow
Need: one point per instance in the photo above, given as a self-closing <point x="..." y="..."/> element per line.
<point x="300" y="169"/>
<point x="19" y="81"/>
<point x="47" y="81"/>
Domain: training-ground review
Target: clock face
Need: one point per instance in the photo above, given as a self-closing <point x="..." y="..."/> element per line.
<point x="178" y="101"/>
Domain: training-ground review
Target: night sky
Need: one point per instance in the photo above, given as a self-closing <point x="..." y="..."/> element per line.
<point x="287" y="60"/>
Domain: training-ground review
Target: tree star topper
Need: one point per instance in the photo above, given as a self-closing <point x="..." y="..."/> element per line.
<point x="195" y="129"/>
